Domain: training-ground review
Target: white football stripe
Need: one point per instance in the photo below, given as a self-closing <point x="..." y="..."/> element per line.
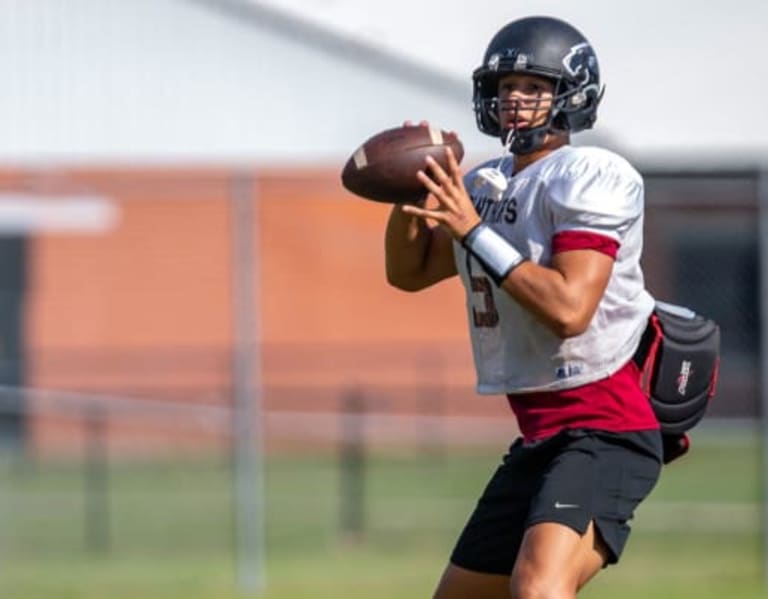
<point x="436" y="136"/>
<point x="361" y="160"/>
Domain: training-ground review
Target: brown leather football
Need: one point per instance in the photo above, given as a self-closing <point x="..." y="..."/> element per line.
<point x="384" y="168"/>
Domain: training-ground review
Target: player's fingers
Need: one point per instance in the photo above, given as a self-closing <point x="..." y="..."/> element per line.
<point x="453" y="167"/>
<point x="437" y="190"/>
<point x="445" y="181"/>
<point x="438" y="174"/>
<point x="414" y="210"/>
<point x="430" y="184"/>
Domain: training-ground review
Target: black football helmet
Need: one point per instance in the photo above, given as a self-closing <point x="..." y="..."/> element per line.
<point x="549" y="48"/>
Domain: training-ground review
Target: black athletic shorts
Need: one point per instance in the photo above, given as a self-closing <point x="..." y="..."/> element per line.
<point x="572" y="478"/>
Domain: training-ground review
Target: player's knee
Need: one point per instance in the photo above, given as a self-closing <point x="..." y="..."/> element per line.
<point x="531" y="586"/>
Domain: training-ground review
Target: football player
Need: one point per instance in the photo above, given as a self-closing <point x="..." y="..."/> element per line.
<point x="547" y="241"/>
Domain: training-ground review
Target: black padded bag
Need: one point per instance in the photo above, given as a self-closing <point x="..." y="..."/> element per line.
<point x="678" y="357"/>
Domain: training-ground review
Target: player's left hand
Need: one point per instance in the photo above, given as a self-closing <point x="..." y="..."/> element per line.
<point x="454" y="211"/>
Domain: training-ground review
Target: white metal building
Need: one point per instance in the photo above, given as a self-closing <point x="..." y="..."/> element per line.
<point x="304" y="81"/>
<point x="94" y="81"/>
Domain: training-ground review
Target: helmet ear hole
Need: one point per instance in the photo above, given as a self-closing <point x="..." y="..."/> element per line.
<point x="578" y="99"/>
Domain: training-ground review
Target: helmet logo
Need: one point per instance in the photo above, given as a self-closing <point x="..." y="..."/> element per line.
<point x="493" y="61"/>
<point x="579" y="61"/>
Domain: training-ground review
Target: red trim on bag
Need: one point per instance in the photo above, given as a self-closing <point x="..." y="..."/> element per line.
<point x="584" y="240"/>
<point x="715" y="374"/>
<point x="650" y="359"/>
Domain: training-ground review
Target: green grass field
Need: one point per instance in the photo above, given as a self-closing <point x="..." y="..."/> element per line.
<point x="170" y="526"/>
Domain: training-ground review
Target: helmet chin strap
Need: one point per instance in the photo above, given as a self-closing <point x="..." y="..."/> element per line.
<point x="514" y="142"/>
<point x="518" y="142"/>
<point x="525" y="141"/>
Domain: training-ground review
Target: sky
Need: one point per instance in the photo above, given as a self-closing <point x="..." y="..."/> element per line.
<point x="681" y="76"/>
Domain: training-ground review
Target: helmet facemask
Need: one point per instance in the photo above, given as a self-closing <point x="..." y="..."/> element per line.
<point x="565" y="114"/>
<point x="526" y="139"/>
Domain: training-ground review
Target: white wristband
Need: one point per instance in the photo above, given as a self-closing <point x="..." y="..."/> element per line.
<point x="495" y="253"/>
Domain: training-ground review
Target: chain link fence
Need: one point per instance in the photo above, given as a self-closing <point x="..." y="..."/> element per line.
<point x="121" y="361"/>
<point x="702" y="251"/>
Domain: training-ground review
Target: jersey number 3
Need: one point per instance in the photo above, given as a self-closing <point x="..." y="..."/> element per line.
<point x="489" y="315"/>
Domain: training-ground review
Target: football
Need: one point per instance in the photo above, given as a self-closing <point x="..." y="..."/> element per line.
<point x="384" y="168"/>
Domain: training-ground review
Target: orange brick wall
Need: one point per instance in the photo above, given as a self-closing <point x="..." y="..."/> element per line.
<point x="162" y="281"/>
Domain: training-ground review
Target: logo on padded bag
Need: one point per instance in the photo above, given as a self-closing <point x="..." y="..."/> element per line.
<point x="682" y="379"/>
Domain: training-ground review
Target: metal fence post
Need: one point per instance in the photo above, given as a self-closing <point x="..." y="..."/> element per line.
<point x="247" y="413"/>
<point x="762" y="199"/>
<point x="96" y="475"/>
<point x="352" y="458"/>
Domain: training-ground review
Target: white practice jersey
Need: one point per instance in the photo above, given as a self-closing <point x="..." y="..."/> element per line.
<point x="577" y="189"/>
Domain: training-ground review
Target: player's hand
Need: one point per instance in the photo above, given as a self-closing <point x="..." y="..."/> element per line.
<point x="454" y="210"/>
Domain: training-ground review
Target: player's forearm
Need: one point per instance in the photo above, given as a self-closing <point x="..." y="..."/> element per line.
<point x="546" y="293"/>
<point x="407" y="241"/>
<point x="565" y="304"/>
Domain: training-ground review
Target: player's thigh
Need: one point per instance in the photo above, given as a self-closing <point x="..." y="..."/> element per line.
<point x="460" y="583"/>
<point x="555" y="559"/>
<point x="597" y="481"/>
